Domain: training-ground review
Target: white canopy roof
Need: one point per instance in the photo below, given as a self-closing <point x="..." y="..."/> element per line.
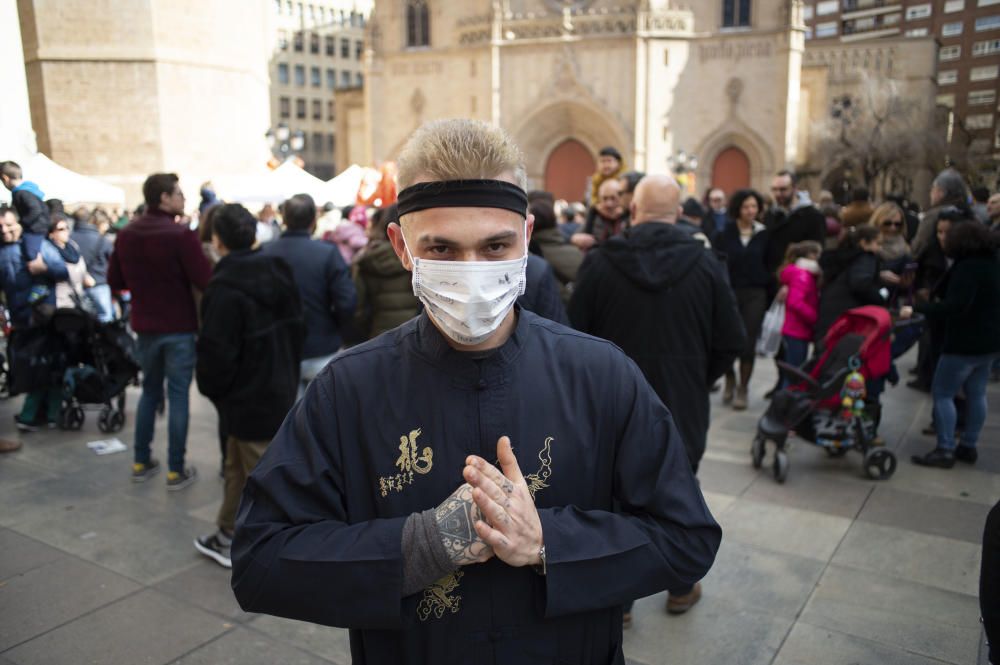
<point x="271" y="187"/>
<point x="58" y="182"/>
<point x="343" y="190"/>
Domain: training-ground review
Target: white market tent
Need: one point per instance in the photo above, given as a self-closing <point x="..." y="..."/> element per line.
<point x="58" y="182"/>
<point x="271" y="187"/>
<point x="342" y="190"/>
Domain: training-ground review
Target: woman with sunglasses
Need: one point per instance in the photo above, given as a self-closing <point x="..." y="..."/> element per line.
<point x="69" y="293"/>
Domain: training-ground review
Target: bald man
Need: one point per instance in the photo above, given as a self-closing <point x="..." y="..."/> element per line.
<point x="664" y="298"/>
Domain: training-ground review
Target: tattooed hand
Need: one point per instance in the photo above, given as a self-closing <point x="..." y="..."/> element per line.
<point x="511" y="525"/>
<point x="456" y="517"/>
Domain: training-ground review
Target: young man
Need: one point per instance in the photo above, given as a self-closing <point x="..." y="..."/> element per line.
<point x="29" y="203"/>
<point x="161" y="263"/>
<point x="378" y="505"/>
<point x="249" y="351"/>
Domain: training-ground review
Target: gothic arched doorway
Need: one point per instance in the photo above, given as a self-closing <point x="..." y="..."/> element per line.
<point x="731" y="170"/>
<point x="567" y="169"/>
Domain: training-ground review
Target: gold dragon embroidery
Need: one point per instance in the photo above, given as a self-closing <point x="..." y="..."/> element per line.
<point x="408" y="462"/>
<point x="439" y="596"/>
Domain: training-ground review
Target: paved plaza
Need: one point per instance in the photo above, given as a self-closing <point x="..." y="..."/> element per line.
<point x="828" y="569"/>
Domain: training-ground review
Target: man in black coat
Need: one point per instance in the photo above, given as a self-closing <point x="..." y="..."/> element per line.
<point x="249" y="351"/>
<point x="90" y="234"/>
<point x="790" y="220"/>
<point x="664" y="298"/>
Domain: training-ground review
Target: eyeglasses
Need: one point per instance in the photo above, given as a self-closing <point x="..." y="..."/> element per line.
<point x="897" y="225"/>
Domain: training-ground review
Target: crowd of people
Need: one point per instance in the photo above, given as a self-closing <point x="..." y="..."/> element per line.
<point x="292" y="319"/>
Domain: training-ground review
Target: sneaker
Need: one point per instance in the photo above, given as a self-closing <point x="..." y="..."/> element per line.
<point x="740" y="401"/>
<point x="178" y="480"/>
<point x="24" y="426"/>
<point x="966" y="454"/>
<point x="8" y="446"/>
<point x="681" y="604"/>
<point x="939" y="458"/>
<point x="143" y="472"/>
<point x="216" y="547"/>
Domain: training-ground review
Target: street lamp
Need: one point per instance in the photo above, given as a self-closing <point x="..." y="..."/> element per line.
<point x="683" y="166"/>
<point x="285" y="140"/>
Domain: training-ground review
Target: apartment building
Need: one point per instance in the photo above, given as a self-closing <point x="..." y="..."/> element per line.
<point x="968" y="57"/>
<point x="318" y="49"/>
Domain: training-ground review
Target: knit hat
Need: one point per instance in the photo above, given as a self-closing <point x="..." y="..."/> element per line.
<point x="609" y="151"/>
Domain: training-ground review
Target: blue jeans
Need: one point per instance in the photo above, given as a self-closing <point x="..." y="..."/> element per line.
<point x="170" y="357"/>
<point x="955" y="372"/>
<point x="796" y="354"/>
<point x="101" y="295"/>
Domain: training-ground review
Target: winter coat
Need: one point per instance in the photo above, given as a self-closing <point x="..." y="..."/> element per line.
<point x="29" y="203"/>
<point x="747" y="267"/>
<point x="250" y="344"/>
<point x="665" y="300"/>
<point x="95" y="248"/>
<point x="385" y="293"/>
<point x="856" y="213"/>
<point x="349" y="239"/>
<point x="17" y="282"/>
<point x="804" y="223"/>
<point x="851" y="279"/>
<point x="970" y="309"/>
<point x="802" y="303"/>
<point x="564" y="257"/>
<point x="541" y="292"/>
<point x="325" y="288"/>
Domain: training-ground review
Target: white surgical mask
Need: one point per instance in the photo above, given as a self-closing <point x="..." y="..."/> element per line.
<point x="469" y="299"/>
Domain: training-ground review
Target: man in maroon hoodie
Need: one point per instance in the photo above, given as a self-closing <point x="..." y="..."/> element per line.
<point x="162" y="264"/>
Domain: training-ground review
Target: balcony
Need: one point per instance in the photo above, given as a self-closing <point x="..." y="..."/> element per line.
<point x="861" y="8"/>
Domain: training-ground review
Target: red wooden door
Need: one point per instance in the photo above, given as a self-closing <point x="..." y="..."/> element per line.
<point x="731" y="170"/>
<point x="567" y="169"/>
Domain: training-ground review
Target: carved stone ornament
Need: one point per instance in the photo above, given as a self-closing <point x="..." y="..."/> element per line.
<point x="734" y="90"/>
<point x="417" y="101"/>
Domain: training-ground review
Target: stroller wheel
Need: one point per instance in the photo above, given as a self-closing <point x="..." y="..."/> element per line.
<point x="780" y="465"/>
<point x="117" y="420"/>
<point x="757" y="450"/>
<point x="880" y="464"/>
<point x="71" y="418"/>
<point x="104" y="420"/>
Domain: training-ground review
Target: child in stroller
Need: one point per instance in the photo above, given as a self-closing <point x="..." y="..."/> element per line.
<point x="825" y="401"/>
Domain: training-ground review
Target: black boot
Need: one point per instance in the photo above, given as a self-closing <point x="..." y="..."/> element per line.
<point x="939" y="458"/>
<point x="966" y="454"/>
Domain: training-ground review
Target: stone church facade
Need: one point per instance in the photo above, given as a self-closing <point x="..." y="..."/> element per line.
<point x="718" y="80"/>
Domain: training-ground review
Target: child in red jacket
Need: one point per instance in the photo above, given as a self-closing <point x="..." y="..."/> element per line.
<point x="801" y="275"/>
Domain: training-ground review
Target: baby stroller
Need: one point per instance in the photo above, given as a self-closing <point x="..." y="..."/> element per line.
<point x="100" y="363"/>
<point x="825" y="403"/>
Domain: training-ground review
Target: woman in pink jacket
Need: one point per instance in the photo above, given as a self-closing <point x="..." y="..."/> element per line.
<point x="801" y="275"/>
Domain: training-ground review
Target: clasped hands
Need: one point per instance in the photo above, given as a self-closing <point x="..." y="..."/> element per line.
<point x="496" y="511"/>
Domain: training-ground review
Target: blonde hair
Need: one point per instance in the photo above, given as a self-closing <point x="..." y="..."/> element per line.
<point x="459" y="149"/>
<point x="882" y="213"/>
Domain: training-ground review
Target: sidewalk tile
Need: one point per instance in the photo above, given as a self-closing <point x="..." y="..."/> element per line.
<point x="934" y="515"/>
<point x="823" y="494"/>
<point x="726" y="477"/>
<point x="783" y="529"/>
<point x="19" y="554"/>
<point x="944" y="563"/>
<point x="931" y="622"/>
<point x="812" y="645"/>
<point x="70" y="588"/>
<point x="147" y="628"/>
<point x="245" y="647"/>
<point x="205" y="585"/>
<point x="330" y="643"/>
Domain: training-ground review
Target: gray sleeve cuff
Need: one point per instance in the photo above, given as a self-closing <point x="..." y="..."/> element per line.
<point x="425" y="559"/>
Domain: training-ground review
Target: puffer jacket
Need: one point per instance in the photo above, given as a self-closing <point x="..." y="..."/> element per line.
<point x="385" y="296"/>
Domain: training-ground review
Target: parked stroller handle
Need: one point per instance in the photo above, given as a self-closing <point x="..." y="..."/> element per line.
<point x="795" y="373"/>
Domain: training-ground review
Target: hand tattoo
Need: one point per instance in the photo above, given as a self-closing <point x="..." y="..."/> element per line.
<point x="456" y="517"/>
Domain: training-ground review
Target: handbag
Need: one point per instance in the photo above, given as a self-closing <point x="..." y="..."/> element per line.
<point x="770" y="331"/>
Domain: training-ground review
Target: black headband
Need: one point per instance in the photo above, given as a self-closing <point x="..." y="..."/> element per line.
<point x="463" y="194"/>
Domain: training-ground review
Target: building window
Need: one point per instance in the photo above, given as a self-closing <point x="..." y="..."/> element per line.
<point x="359" y="79"/>
<point x="918" y="11"/>
<point x="987" y="3"/>
<point x="951" y="29"/>
<point x="954" y="6"/>
<point x="946" y="100"/>
<point x="827" y="7"/>
<point x="282" y="40"/>
<point x="982" y="97"/>
<point x="986" y="73"/>
<point x="828" y="29"/>
<point x="807" y="13"/>
<point x="283" y="73"/>
<point x="297" y="42"/>
<point x="300" y="75"/>
<point x="736" y="13"/>
<point x="331" y="46"/>
<point x="300" y="109"/>
<point x="331" y="143"/>
<point x="948" y="77"/>
<point x="314" y="77"/>
<point x="345" y="79"/>
<point x="950" y="53"/>
<point x="318" y="143"/>
<point x="917" y="32"/>
<point x="418" y="27"/>
<point x="285" y="107"/>
<point x="988" y="47"/>
<point x="331" y="79"/>
<point x="317" y="109"/>
<point x="987" y="23"/>
<point x="314" y="43"/>
<point x="329" y="111"/>
<point x="359" y="50"/>
<point x="979" y="121"/>
<point x="345" y="48"/>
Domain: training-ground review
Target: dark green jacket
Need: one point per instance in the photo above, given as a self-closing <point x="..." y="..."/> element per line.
<point x="385" y="295"/>
<point x="563" y="256"/>
<point x="970" y="308"/>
